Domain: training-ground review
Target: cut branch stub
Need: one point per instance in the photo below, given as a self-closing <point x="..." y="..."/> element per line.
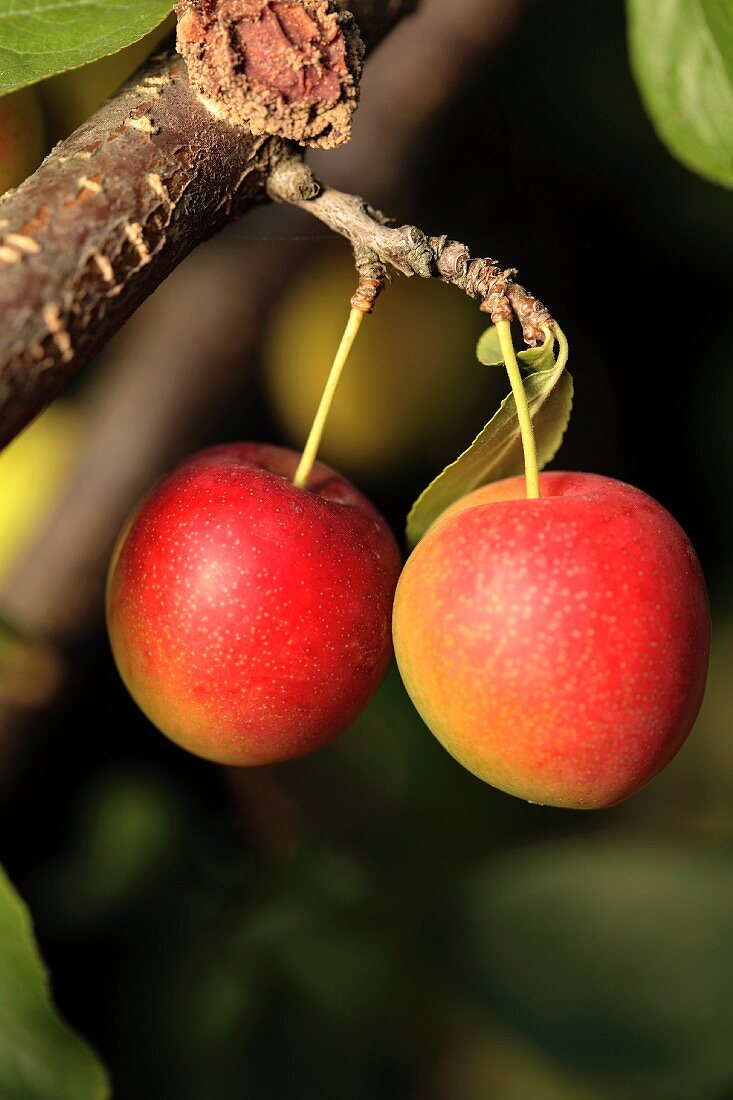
<point x="274" y="66"/>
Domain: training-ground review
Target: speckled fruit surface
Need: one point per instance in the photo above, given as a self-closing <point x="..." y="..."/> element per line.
<point x="558" y="648"/>
<point x="250" y="620"/>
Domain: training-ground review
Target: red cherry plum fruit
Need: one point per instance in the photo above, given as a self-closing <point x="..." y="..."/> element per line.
<point x="558" y="648"/>
<point x="250" y="620"/>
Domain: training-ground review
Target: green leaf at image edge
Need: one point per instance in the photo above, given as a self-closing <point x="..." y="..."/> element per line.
<point x="39" y="38"/>
<point x="40" y="1056"/>
<point x="497" y="451"/>
<point x="682" y="58"/>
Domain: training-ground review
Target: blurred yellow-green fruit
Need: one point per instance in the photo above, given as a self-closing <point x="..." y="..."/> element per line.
<point x="33" y="468"/>
<point x="22" y="137"/>
<point x="30" y="670"/>
<point x="412" y="391"/>
<point x="72" y="97"/>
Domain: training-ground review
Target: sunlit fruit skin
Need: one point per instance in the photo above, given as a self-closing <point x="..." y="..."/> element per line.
<point x="558" y="648"/>
<point x="250" y="620"/>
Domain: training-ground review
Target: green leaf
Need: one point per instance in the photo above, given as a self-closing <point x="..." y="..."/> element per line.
<point x="682" y="57"/>
<point x="40" y="1057"/>
<point x="497" y="451"/>
<point x="489" y="354"/>
<point x="39" y="38"/>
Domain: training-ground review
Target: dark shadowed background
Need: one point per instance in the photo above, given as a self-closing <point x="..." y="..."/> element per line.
<point x="373" y="921"/>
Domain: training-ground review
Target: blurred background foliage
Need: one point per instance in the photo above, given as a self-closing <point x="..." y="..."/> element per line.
<point x="373" y="921"/>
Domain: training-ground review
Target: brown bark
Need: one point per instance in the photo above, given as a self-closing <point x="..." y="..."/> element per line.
<point x="378" y="245"/>
<point x="110" y="213"/>
<point x="173" y="368"/>
<point x="275" y="67"/>
<point x="103" y="221"/>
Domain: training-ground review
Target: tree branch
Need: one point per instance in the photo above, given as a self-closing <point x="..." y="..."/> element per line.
<point x="102" y="222"/>
<point x="173" y="367"/>
<point x="146" y="405"/>
<point x="274" y="67"/>
<point x="408" y="249"/>
<point x="111" y="212"/>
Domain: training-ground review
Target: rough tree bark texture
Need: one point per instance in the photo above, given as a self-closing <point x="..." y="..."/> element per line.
<point x="175" y="365"/>
<point x="173" y="368"/>
<point x="103" y="221"/>
<point x="378" y="245"/>
<point x="274" y="67"/>
<point x="108" y="215"/>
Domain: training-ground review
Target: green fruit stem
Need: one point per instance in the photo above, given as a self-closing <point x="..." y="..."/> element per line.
<point x="562" y="343"/>
<point x="531" y="469"/>
<point x="305" y="466"/>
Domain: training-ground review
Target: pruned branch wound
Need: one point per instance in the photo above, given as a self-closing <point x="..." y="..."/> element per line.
<point x="56" y="589"/>
<point x="112" y="211"/>
<point x="118" y="205"/>
<point x="274" y="67"/>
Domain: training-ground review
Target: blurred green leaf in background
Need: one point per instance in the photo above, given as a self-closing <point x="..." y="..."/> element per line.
<point x="682" y="57"/>
<point x="372" y="922"/>
<point x="614" y="957"/>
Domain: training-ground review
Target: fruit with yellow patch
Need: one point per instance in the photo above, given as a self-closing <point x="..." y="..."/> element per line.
<point x="558" y="647"/>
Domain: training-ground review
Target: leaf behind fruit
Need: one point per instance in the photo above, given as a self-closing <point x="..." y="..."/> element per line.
<point x="497" y="451"/>
<point x="40" y="1056"/>
<point x="682" y="58"/>
<point x="39" y="38"/>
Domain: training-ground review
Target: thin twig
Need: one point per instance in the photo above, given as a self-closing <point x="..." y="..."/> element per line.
<point x="186" y="354"/>
<point x="108" y="215"/>
<point x="409" y="250"/>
